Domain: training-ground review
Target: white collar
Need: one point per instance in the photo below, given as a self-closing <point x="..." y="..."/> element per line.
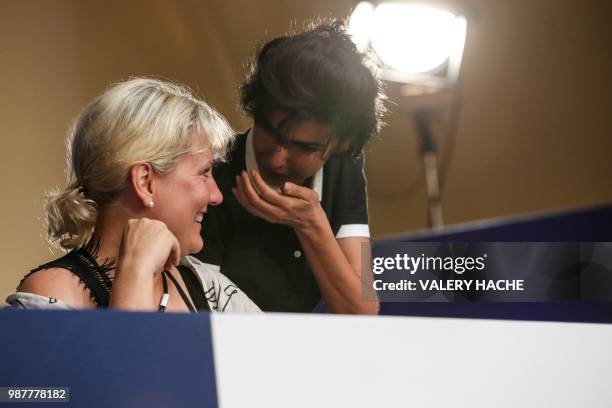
<point x="251" y="164"/>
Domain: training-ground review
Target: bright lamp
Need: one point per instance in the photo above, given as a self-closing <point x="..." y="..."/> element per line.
<point x="410" y="39"/>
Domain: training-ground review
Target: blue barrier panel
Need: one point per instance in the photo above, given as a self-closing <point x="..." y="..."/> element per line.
<point x="578" y="225"/>
<point x="110" y="359"/>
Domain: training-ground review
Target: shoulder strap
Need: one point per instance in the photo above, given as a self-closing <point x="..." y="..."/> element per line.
<point x="196" y="291"/>
<point x="76" y="262"/>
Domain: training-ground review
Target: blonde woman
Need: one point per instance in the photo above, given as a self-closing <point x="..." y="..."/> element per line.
<point x="140" y="159"/>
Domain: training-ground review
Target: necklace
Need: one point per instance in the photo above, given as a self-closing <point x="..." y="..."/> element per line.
<point x="166" y="296"/>
<point x="182" y="293"/>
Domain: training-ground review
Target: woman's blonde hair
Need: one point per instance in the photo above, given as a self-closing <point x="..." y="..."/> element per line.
<point x="140" y="120"/>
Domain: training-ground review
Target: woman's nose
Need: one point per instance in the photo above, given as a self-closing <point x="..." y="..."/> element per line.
<point x="279" y="157"/>
<point x="216" y="197"/>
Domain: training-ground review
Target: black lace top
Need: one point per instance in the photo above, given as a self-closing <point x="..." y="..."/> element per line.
<point x="95" y="277"/>
<point x="82" y="263"/>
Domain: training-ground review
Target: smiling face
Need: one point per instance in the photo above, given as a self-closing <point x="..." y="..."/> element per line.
<point x="182" y="197"/>
<point x="300" y="156"/>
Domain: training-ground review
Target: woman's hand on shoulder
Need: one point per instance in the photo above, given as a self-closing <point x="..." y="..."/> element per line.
<point x="61" y="284"/>
<point x="147" y="247"/>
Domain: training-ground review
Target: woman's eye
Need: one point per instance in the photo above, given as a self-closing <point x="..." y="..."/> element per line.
<point x="206" y="173"/>
<point x="306" y="147"/>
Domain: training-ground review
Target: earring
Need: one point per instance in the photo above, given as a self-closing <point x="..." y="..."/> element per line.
<point x="150" y="204"/>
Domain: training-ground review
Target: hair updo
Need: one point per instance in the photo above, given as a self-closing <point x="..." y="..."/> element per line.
<point x="140" y="120"/>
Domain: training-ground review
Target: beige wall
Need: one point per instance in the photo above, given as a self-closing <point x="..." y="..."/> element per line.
<point x="534" y="126"/>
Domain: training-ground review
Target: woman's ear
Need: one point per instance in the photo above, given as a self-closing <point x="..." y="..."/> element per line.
<point x="142" y="181"/>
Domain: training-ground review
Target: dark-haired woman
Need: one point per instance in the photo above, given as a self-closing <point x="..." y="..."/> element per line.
<point x="294" y="224"/>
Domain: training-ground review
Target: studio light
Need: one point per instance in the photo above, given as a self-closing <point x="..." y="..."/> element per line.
<point x="414" y="42"/>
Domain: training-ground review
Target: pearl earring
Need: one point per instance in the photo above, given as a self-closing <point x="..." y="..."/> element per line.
<point x="150" y="204"/>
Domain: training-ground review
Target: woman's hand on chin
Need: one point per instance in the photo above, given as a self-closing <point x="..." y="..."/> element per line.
<point x="147" y="247"/>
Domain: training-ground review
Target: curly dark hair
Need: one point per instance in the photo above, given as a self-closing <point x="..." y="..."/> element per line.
<point x="317" y="74"/>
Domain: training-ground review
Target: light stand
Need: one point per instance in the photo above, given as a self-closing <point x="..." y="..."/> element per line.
<point x="430" y="165"/>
